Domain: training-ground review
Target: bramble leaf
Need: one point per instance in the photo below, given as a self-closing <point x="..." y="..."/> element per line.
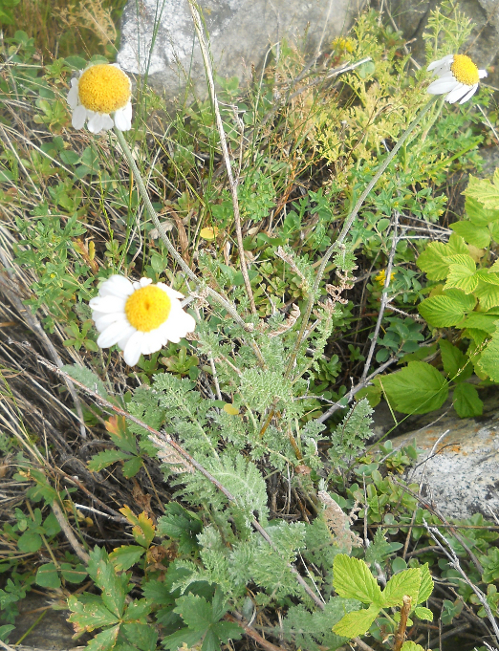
<point x="433" y="261"/>
<point x="426" y="584"/>
<point x="423" y="613"/>
<point x="357" y="622"/>
<point x="416" y="389"/>
<point x="454" y="361"/>
<point x="447" y="309"/>
<point x="353" y="580"/>
<point x="404" y="583"/>
<point x="466" y="401"/>
<point x="489" y="359"/>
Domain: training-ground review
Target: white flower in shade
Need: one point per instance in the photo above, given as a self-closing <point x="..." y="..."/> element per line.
<point x="458" y="76"/>
<point x="140" y="317"/>
<point x="102" y="95"/>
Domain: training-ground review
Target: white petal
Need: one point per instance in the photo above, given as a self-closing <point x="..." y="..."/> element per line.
<point x="133" y="348"/>
<point x="72" y="98"/>
<point x="111" y="335"/>
<point x="117" y="285"/>
<point x="447" y="60"/>
<point x="469" y="94"/>
<point x="441" y="86"/>
<point x="127" y="333"/>
<point x="79" y="117"/>
<point x="143" y="282"/>
<point x="123" y="118"/>
<point x="102" y="321"/>
<point x="107" y="304"/>
<point x="152" y="342"/>
<point x="172" y="293"/>
<point x="482" y="73"/>
<point x="100" y="122"/>
<point x="458" y="93"/>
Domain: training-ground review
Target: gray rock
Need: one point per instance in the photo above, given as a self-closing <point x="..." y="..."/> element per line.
<point x="459" y="465"/>
<point x="240" y="31"/>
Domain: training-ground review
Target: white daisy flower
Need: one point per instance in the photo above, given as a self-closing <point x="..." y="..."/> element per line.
<point x="102" y="95"/>
<point x="458" y="76"/>
<point x="140" y="317"/>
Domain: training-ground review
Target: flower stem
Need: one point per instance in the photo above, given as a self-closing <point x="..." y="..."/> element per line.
<point x="229" y="307"/>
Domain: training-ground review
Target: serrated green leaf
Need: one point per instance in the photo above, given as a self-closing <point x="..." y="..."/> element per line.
<point x="433" y="261"/>
<point x="181" y="525"/>
<point x="489" y="359"/>
<point x="195" y="611"/>
<point x="406" y="583"/>
<point x="462" y="274"/>
<point x="478" y="236"/>
<point x="124" y="557"/>
<point x="488" y="295"/>
<point x="142" y="636"/>
<point x="357" y="622"/>
<point x="423" y="613"/>
<point x="416" y="389"/>
<point x="480" y="321"/>
<point x="104" y="641"/>
<point x="112" y="586"/>
<point x="132" y="467"/>
<point x="445" y="310"/>
<point x="479" y="216"/>
<point x="47" y="576"/>
<point x="426" y="584"/>
<point x="353" y="580"/>
<point x="484" y="191"/>
<point x="456" y="245"/>
<point x="90" y="615"/>
<point x="179" y="638"/>
<point x="455" y="362"/>
<point x="466" y="401"/>
<point x="411" y="646"/>
<point x="486" y="276"/>
<point x="105" y="458"/>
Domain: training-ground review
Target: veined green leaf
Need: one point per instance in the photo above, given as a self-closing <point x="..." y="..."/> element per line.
<point x="479" y="216"/>
<point x="357" y="622"/>
<point x="447" y="309"/>
<point x="433" y="261"/>
<point x="484" y="191"/>
<point x="460" y="276"/>
<point x="478" y="236"/>
<point x="353" y="580"/>
<point x="454" y="361"/>
<point x="411" y="646"/>
<point x="489" y="359"/>
<point x="488" y="277"/>
<point x="480" y="321"/>
<point x="416" y="389"/>
<point x="406" y="583"/>
<point x="124" y="557"/>
<point x="466" y="401"/>
<point x="423" y="613"/>
<point x="426" y="584"/>
<point x="488" y="295"/>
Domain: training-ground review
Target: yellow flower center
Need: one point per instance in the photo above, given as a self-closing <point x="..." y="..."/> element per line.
<point x="104" y="88"/>
<point x="464" y="70"/>
<point x="147" y="308"/>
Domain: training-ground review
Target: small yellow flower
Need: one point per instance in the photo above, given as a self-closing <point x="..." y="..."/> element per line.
<point x="458" y="76"/>
<point x="381" y="277"/>
<point x="102" y="95"/>
<point x="342" y="43"/>
<point x="140" y="317"/>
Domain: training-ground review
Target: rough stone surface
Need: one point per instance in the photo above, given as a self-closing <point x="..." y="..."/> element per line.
<point x="459" y="465"/>
<point x="411" y="17"/>
<point x="240" y="32"/>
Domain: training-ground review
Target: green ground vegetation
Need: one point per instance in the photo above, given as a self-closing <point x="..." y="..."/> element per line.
<point x="226" y="492"/>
